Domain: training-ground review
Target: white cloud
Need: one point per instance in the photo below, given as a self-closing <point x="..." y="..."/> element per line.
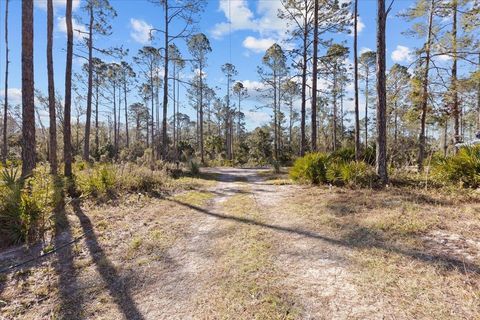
<point x="79" y="30"/>
<point x="263" y="21"/>
<point x="360" y="26"/>
<point x="239" y="17"/>
<point x="14" y="96"/>
<point x="57" y="4"/>
<point x="258" y="45"/>
<point x="140" y="30"/>
<point x="401" y="53"/>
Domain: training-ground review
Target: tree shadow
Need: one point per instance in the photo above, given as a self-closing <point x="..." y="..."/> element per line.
<point x="115" y="284"/>
<point x="70" y="296"/>
<point x="354" y="240"/>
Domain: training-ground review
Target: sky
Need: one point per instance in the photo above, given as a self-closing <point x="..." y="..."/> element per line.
<point x="240" y="37"/>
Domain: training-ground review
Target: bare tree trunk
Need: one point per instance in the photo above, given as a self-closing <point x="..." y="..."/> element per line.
<point x="28" y="105"/>
<point x="97" y="147"/>
<point x="201" y="114"/>
<point x="115" y="136"/>
<point x="126" y="110"/>
<point x="165" y="90"/>
<point x="275" y="116"/>
<point x="456" y="110"/>
<point x="314" y="77"/>
<point x="67" y="130"/>
<point x="334" y="142"/>
<point x="174" y="108"/>
<point x="51" y="90"/>
<point x="355" y="65"/>
<point x="478" y="95"/>
<point x="381" y="159"/>
<point x="304" y="85"/>
<point x="445" y="137"/>
<point x="421" y="150"/>
<point x="5" y="106"/>
<point x="366" y="108"/>
<point x="86" y="146"/>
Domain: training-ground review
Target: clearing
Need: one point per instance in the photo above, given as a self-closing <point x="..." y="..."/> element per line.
<point x="248" y="244"/>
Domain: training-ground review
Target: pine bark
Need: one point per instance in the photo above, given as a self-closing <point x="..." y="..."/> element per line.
<point x="381" y="150"/>
<point x="51" y="91"/>
<point x="67" y="131"/>
<point x="86" y="146"/>
<point x="355" y="65"/>
<point x="5" y="106"/>
<point x="314" y="77"/>
<point x="28" y="90"/>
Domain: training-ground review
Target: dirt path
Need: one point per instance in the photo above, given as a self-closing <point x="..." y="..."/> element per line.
<point x="241" y="248"/>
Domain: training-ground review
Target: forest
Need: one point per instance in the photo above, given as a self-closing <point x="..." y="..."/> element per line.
<point x="175" y="171"/>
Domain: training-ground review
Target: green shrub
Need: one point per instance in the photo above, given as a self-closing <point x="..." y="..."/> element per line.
<point x="462" y="168"/>
<point x="311" y="168"/>
<point x="321" y="168"/>
<point x="97" y="180"/>
<point x="350" y="173"/>
<point x="26" y="205"/>
<point x="346" y="154"/>
<point x="134" y="178"/>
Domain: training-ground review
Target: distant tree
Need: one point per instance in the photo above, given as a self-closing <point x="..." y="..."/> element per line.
<point x="241" y="92"/>
<point x="28" y="91"/>
<point x="199" y="46"/>
<point x="274" y="62"/>
<point x="182" y="13"/>
<point x="368" y="64"/>
<point x="355" y="86"/>
<point x="126" y="75"/>
<point x="334" y="68"/>
<point x="291" y="91"/>
<point x="98" y="11"/>
<point x="229" y="71"/>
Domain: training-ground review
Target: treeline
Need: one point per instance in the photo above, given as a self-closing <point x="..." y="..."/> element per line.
<point x="409" y="111"/>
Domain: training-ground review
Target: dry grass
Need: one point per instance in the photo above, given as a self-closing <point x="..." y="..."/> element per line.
<point x="247" y="284"/>
<point x="397" y="244"/>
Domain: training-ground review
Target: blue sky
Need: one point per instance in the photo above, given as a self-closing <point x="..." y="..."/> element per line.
<point x="253" y="23"/>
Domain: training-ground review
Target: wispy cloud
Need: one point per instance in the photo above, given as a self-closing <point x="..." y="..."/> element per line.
<point x="140" y="30"/>
<point x="57" y="4"/>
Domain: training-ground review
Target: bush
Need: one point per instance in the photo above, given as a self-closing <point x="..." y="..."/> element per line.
<point x="311" y="168"/>
<point x="462" y="168"/>
<point x="350" y="173"/>
<point x="133" y="178"/>
<point x="26" y="205"/>
<point x="97" y="180"/>
<point x="321" y="168"/>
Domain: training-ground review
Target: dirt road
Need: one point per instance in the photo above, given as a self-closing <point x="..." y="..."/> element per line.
<point x="247" y="245"/>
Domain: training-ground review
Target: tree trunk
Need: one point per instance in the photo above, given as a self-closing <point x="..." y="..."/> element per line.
<point x="115" y="136"/>
<point x="5" y="106"/>
<point x="355" y="65"/>
<point x="51" y="91"/>
<point x="86" y="146"/>
<point x="165" y="90"/>
<point x="366" y="107"/>
<point x="201" y="115"/>
<point x="126" y="109"/>
<point x="67" y="130"/>
<point x="174" y="129"/>
<point x="28" y="104"/>
<point x="456" y="110"/>
<point x="334" y="142"/>
<point x="97" y="147"/>
<point x="314" y="77"/>
<point x="478" y="95"/>
<point x="304" y="84"/>
<point x="275" y="116"/>
<point x="381" y="159"/>
<point x="421" y="149"/>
